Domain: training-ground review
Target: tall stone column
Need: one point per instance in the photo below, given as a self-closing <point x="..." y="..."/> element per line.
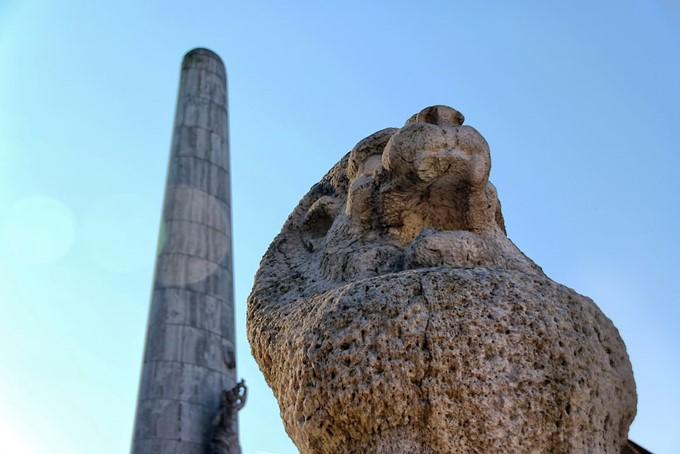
<point x="189" y="355"/>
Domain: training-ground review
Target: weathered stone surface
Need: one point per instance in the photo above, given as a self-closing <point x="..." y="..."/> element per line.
<point x="393" y="314"/>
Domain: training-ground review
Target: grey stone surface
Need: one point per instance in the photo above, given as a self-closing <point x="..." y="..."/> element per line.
<point x="185" y="203"/>
<point x="189" y="355"/>
<point x="183" y="307"/>
<point x="393" y="314"/>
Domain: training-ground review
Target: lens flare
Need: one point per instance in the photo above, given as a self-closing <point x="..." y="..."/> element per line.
<point x="37" y="230"/>
<point x="118" y="233"/>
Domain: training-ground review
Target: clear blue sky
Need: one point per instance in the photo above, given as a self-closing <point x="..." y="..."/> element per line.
<point x="579" y="101"/>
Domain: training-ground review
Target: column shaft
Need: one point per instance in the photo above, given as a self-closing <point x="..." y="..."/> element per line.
<point x="189" y="355"/>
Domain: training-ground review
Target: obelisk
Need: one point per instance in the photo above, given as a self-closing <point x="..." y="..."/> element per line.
<point x="189" y="356"/>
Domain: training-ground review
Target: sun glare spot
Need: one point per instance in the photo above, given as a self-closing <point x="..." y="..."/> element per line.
<point x="15" y="439"/>
<point x="117" y="232"/>
<point x="37" y="230"/>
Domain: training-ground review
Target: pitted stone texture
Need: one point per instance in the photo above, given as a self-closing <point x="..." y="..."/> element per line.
<point x="393" y="314"/>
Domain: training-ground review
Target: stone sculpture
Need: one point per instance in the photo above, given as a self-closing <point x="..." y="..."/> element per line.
<point x="393" y="314"/>
<point x="224" y="438"/>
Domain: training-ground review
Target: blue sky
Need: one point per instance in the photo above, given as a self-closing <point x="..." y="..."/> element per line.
<point x="578" y="100"/>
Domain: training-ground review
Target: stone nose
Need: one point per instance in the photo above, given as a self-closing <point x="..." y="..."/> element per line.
<point x="435" y="145"/>
<point x="437" y="115"/>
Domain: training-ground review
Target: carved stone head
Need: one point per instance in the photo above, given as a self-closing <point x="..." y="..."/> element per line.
<point x="393" y="314"/>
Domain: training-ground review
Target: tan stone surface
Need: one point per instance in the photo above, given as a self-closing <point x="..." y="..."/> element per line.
<point x="393" y="314"/>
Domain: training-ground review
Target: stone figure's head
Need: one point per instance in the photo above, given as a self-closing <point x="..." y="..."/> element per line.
<point x="393" y="314"/>
<point x="414" y="197"/>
